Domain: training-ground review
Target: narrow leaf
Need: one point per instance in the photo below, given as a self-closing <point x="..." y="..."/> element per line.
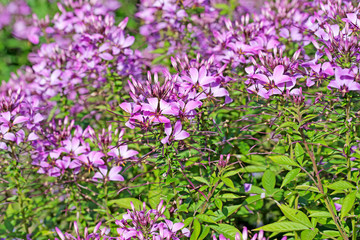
<point x="283" y="160"/>
<point x="307" y="188"/>
<point x="201" y="179"/>
<point x="348" y="204"/>
<point x="295" y="215"/>
<point x="340" y="185"/>
<point x="204" y="232"/>
<point x="196" y="230"/>
<point x="227" y="230"/>
<point x="205" y="218"/>
<point x="228" y="182"/>
<point x="252" y="168"/>
<point x="268" y="181"/>
<point x="299" y="153"/>
<point x="320" y="214"/>
<point x="218" y="203"/>
<point x="125" y="203"/>
<point x="282" y="227"/>
<point x="309" y="234"/>
<point x="291" y="175"/>
<point x="231" y="173"/>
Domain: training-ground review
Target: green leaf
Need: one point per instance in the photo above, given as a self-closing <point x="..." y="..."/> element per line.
<point x="308" y="118"/>
<point x="282" y="227"/>
<point x="268" y="181"/>
<point x="125" y="203"/>
<point x="309" y="234"/>
<point x="159" y="59"/>
<point x="222" y="6"/>
<point x="205" y="218"/>
<point x="331" y="233"/>
<point x="160" y="50"/>
<point x="228" y="182"/>
<point x="288" y="124"/>
<point x="348" y="204"/>
<point x="340" y="185"/>
<point x="283" y="160"/>
<point x="295" y="215"/>
<point x="299" y="153"/>
<point x="252" y="168"/>
<point x="231" y="173"/>
<point x="154" y="196"/>
<point x="204" y="232"/>
<point x="188" y="221"/>
<point x="201" y="179"/>
<point x="307" y="188"/>
<point x="227" y="230"/>
<point x="320" y="214"/>
<point x="218" y="203"/>
<point x="196" y="230"/>
<point x="229" y="196"/>
<point x="291" y="175"/>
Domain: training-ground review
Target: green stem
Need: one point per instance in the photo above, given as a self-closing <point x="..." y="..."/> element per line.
<point x="321" y="189"/>
<point x="353" y="225"/>
<point x="21" y="204"/>
<point x="347" y="144"/>
<point x="19" y="191"/>
<point x="106" y="199"/>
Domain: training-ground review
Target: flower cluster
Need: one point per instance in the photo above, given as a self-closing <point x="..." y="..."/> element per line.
<point x="178" y="97"/>
<point x="88" y="48"/>
<point x="63" y="147"/>
<point x="146" y="224"/>
<point x="215" y="94"/>
<point x="136" y="224"/>
<point x="20" y="120"/>
<point x="60" y="72"/>
<point x="17" y="15"/>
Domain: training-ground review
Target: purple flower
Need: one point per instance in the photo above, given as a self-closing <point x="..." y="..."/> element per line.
<point x="155" y="109"/>
<point x="344" y="81"/>
<point x="276" y="79"/>
<point x="247" y="187"/>
<point x="178" y="133"/>
<point x="338" y="206"/>
<point x="113" y="174"/>
<point x="73" y="147"/>
<point x="94" y="158"/>
<point x="199" y="77"/>
<point x="187" y="110"/>
<point x="122" y="152"/>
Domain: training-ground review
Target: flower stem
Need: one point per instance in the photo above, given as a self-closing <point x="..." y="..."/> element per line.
<point x="321" y="189"/>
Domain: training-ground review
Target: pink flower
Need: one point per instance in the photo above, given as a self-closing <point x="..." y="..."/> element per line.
<point x="122" y="152"/>
<point x="344" y="81"/>
<point x="199" y="77"/>
<point x="113" y="174"/>
<point x="178" y="133"/>
<point x="92" y="159"/>
<point x="155" y="110"/>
